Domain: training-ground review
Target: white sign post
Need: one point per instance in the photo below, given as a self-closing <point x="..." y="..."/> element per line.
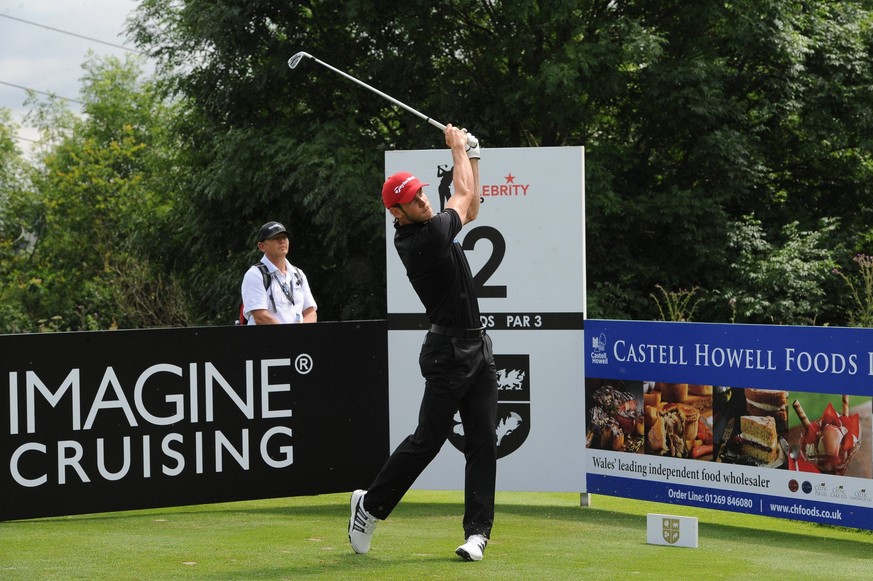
<point x="527" y="254"/>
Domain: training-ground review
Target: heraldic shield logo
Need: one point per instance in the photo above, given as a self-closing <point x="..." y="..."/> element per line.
<point x="513" y="405"/>
<point x="670" y="530"/>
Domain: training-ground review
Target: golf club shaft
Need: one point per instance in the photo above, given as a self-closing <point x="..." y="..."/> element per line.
<point x="294" y="60"/>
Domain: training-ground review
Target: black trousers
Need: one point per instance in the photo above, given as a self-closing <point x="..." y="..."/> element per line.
<point x="459" y="377"/>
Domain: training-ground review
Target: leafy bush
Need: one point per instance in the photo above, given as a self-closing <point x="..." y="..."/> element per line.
<point x="779" y="282"/>
<point x="860" y="285"/>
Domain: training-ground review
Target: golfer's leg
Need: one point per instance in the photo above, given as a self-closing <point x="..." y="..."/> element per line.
<point x="479" y="415"/>
<point x="438" y="406"/>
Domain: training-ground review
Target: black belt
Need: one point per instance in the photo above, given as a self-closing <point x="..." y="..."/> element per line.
<point x="458" y="332"/>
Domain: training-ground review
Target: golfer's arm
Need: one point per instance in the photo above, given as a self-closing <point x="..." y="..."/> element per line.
<point x="465" y="180"/>
<point x="473" y="210"/>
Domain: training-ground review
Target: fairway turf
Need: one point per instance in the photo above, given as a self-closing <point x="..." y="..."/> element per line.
<point x="536" y="536"/>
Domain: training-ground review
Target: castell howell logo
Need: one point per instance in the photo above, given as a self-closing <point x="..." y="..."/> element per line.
<point x="598" y="350"/>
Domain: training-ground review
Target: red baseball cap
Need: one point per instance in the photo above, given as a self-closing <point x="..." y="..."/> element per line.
<point x="400" y="189"/>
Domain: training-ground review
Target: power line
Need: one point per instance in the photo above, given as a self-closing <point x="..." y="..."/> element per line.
<point x="122" y="47"/>
<point x="41" y="92"/>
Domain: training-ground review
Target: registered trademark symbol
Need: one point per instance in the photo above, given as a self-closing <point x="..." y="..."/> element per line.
<point x="303" y="364"/>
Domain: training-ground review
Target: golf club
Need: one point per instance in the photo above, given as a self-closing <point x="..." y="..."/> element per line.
<point x="295" y="60"/>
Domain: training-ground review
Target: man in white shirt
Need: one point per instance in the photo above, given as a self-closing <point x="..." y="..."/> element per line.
<point x="285" y="297"/>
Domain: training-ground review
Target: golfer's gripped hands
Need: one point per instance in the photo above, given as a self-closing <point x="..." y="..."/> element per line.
<point x="456" y="137"/>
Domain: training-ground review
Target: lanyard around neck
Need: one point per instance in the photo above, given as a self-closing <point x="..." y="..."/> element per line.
<point x="286" y="290"/>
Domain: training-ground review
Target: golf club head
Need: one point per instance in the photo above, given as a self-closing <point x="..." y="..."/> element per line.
<point x="295" y="60"/>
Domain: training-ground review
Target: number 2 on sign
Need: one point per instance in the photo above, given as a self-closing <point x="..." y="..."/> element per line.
<point x="498" y="251"/>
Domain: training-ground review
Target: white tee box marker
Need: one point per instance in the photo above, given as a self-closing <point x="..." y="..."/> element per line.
<point x="672" y="531"/>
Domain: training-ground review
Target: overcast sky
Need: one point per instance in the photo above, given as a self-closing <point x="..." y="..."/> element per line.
<point x="42" y="59"/>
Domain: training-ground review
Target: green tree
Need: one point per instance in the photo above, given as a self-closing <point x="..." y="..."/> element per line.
<point x="92" y="212"/>
<point x="10" y="156"/>
<point x="261" y="143"/>
<point x="860" y="287"/>
<point x="17" y="214"/>
<point x="783" y="282"/>
<point x="693" y="115"/>
<point x="307" y="147"/>
<point x="720" y="125"/>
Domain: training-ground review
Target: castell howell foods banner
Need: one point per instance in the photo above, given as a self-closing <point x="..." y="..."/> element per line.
<point x="769" y="420"/>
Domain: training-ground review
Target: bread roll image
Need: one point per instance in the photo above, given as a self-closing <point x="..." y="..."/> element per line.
<point x="695" y="389"/>
<point x="674" y="392"/>
<point x="652" y="399"/>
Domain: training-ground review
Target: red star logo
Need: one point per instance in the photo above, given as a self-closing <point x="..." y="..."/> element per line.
<point x="510" y="179"/>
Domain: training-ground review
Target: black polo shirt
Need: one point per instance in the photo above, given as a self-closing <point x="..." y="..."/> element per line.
<point x="438" y="269"/>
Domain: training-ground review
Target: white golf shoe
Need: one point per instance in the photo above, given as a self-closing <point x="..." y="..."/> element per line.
<point x="474" y="547"/>
<point x="361" y="523"/>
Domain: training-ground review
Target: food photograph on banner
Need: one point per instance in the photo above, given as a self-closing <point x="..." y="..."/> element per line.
<point x="645" y="417"/>
<point x="764" y="428"/>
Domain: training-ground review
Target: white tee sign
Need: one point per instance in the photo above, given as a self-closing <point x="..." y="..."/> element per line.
<point x="526" y="251"/>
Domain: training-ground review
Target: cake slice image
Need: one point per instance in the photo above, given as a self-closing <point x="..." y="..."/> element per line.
<point x="758" y="438"/>
<point x="767" y="402"/>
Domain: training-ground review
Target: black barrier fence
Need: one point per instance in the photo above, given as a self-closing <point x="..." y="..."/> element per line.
<point x="119" y="420"/>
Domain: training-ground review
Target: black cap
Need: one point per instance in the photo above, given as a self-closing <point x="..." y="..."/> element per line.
<point x="271" y="230"/>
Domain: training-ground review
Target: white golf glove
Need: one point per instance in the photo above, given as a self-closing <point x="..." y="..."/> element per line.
<point x="473" y="150"/>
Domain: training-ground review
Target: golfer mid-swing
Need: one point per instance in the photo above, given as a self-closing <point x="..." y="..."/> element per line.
<point x="456" y="357"/>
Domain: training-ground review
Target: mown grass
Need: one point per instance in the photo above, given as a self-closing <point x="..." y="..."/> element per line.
<point x="536" y="536"/>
